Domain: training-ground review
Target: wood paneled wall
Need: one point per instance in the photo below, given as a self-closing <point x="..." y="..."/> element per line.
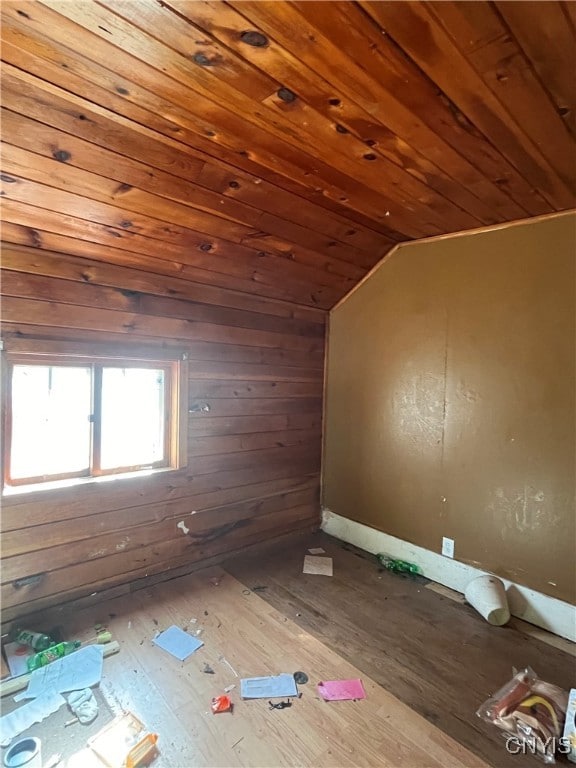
<point x="255" y="411"/>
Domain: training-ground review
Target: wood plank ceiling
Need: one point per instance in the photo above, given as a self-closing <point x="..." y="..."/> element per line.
<point x="279" y="148"/>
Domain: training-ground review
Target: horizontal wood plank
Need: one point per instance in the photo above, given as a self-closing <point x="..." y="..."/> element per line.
<point x="547" y="39"/>
<point x="447" y="155"/>
<point x="482" y="36"/>
<point x="250" y="389"/>
<point x="20" y="94"/>
<point x="252" y="461"/>
<point x="153" y="236"/>
<point x="419" y="29"/>
<point x="139" y="211"/>
<point x="123" y="566"/>
<point x="46" y="535"/>
<point x="88" y="294"/>
<point x="126" y="180"/>
<point x="240" y="425"/>
<point x="40" y="313"/>
<point x="210" y="444"/>
<point x="169" y="489"/>
<point x="211" y="361"/>
<point x="201" y="527"/>
<point x="139" y="252"/>
<point x="18" y="256"/>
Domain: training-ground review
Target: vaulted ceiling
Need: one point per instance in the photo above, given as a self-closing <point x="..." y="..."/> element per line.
<point x="280" y="148"/>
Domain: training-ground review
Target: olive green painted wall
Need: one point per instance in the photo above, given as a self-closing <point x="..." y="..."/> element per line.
<point x="450" y="401"/>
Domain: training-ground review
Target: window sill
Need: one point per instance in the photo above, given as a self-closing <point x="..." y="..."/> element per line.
<point x="75" y="482"/>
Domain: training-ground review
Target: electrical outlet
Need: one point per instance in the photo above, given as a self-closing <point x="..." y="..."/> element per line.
<point x="447" y="547"/>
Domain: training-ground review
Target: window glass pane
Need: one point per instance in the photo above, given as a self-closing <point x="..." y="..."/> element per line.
<point x="50" y="420"/>
<point x="132" y="417"/>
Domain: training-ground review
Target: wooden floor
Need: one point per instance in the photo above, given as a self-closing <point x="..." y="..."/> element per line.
<point x="426" y="662"/>
<point x="435" y="655"/>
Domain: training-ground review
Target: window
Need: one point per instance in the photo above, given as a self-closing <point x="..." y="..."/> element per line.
<point x="70" y="416"/>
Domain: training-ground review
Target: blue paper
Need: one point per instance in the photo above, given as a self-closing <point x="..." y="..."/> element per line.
<point x="177" y="642"/>
<point x="271" y="687"/>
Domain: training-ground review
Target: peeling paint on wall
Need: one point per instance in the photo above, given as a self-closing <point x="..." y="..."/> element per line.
<point x="419" y="408"/>
<point x="520" y="510"/>
<point x="96" y="553"/>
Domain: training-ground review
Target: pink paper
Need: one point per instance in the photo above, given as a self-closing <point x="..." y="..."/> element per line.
<point x="341" y="690"/>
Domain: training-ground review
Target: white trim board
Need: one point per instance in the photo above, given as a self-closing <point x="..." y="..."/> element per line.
<point x="547" y="612"/>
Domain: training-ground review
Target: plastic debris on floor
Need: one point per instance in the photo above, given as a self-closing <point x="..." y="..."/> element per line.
<point x="532" y="713"/>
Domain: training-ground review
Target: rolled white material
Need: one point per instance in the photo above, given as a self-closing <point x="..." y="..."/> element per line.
<point x="488" y="596"/>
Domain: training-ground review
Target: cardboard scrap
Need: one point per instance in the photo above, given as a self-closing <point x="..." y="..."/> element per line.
<point x="318" y="566"/>
<point x="17" y="656"/>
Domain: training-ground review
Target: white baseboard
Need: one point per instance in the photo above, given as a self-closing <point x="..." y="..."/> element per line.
<point x="546" y="612"/>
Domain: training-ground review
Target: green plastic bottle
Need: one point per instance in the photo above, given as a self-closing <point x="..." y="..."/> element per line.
<point x="51" y="654"/>
<point x="398" y="566"/>
<point x="35" y="640"/>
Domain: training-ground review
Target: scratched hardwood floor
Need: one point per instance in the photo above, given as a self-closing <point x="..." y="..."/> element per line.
<point x="426" y="661"/>
<point x="245" y="635"/>
<point x="437" y="656"/>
